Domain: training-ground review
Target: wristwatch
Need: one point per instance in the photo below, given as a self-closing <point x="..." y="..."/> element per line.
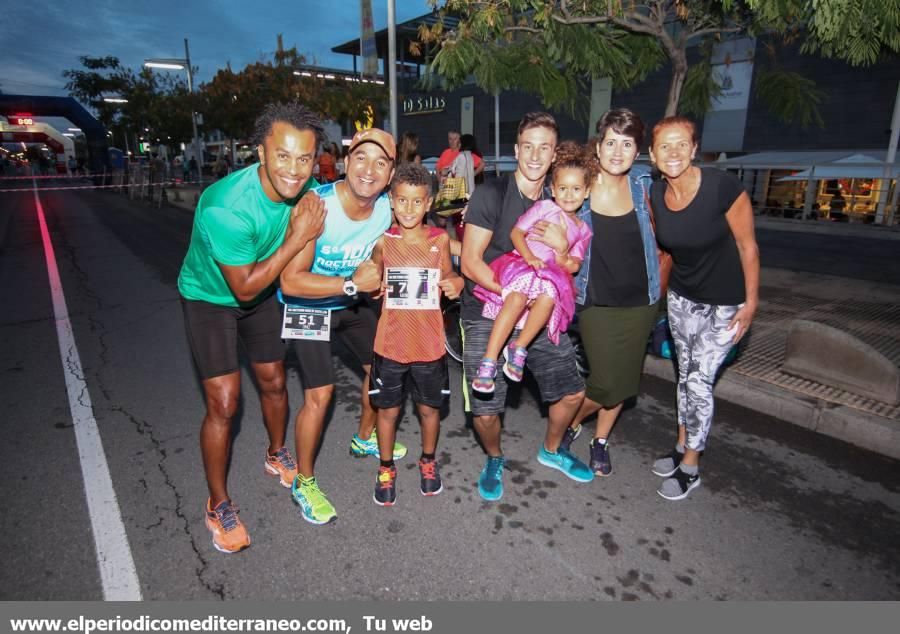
<point x="350" y="288"/>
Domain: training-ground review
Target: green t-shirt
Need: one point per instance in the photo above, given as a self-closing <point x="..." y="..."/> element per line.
<point x="235" y="224"/>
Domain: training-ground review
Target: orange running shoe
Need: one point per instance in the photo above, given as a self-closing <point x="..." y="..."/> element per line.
<point x="282" y="464"/>
<point x="229" y="534"/>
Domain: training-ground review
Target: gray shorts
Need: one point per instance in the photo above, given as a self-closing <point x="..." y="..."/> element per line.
<point x="552" y="366"/>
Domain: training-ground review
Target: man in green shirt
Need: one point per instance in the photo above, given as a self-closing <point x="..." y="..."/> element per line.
<point x="247" y="227"/>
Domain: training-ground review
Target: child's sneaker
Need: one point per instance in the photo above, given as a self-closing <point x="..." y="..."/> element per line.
<point x="386" y="486"/>
<point x="514" y="367"/>
<point x="282" y="464"/>
<point x="314" y="506"/>
<point x="429" y="477"/>
<point x="229" y="534"/>
<point x="360" y="448"/>
<point x="484" y="381"/>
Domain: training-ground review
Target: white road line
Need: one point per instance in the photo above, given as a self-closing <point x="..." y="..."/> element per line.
<point x="117" y="571"/>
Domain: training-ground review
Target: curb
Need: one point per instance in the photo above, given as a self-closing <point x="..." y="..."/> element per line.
<point x="856" y="427"/>
<point x="875" y="232"/>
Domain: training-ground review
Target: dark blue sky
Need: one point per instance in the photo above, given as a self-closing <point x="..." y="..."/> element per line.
<point x="42" y="38"/>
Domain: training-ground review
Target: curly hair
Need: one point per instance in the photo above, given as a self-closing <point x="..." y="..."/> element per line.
<point x="572" y="155"/>
<point x="293" y="113"/>
<point x="412" y="174"/>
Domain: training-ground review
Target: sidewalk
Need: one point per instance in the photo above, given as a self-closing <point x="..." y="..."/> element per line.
<point x="869" y="310"/>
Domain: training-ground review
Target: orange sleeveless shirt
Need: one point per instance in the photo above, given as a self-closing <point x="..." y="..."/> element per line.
<point x="412" y="336"/>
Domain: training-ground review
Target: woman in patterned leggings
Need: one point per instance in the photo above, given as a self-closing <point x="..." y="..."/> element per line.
<point x="705" y="220"/>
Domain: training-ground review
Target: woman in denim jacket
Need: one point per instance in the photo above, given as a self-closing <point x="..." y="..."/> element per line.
<point x="617" y="288"/>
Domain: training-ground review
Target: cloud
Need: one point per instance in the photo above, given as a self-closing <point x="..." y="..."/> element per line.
<point x="45" y="37"/>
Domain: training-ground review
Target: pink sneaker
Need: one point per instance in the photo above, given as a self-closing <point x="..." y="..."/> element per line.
<point x="514" y="367"/>
<point x="484" y="381"/>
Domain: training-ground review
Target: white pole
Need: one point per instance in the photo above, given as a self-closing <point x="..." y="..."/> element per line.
<point x="497" y="133"/>
<point x="190" y="77"/>
<point x="809" y="198"/>
<point x="392" y="63"/>
<point x="889" y="164"/>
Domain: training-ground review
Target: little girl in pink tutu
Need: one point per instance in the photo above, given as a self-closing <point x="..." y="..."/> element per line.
<point x="537" y="282"/>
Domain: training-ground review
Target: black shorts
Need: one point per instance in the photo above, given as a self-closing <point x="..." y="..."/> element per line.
<point x="428" y="381"/>
<point x="553" y="367"/>
<point x="214" y="331"/>
<point x="355" y="326"/>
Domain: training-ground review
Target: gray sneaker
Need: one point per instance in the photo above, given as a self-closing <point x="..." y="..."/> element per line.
<point x="600" y="463"/>
<point x="679" y="485"/>
<point x="666" y="465"/>
<point x="569" y="437"/>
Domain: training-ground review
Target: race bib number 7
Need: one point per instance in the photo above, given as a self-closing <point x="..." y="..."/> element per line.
<point x="413" y="288"/>
<point x="311" y="324"/>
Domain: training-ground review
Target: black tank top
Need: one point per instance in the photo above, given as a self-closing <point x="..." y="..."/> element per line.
<point x="618" y="275"/>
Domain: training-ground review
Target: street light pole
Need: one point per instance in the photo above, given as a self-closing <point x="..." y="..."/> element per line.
<point x="178" y="64"/>
<point x="190" y="78"/>
<point x="886" y="203"/>
<point x="392" y="65"/>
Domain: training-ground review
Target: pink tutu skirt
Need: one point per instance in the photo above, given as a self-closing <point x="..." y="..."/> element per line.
<point x="515" y="275"/>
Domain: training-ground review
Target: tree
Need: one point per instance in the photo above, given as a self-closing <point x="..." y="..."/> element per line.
<point x="859" y="32"/>
<point x="549" y="47"/>
<point x="232" y="101"/>
<point x="158" y="104"/>
<point x="159" y="107"/>
<point x="101" y="77"/>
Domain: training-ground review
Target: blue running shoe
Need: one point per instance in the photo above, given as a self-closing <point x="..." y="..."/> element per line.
<point x="564" y="461"/>
<point x="490" y="482"/>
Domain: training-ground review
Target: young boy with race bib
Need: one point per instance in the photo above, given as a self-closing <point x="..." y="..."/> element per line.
<point x="409" y="342"/>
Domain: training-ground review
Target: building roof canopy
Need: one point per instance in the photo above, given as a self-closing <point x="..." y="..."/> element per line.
<point x="839" y="163"/>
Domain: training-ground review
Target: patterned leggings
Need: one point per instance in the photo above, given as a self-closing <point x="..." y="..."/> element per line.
<point x="702" y="341"/>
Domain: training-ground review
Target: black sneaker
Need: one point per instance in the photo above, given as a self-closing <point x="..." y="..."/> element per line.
<point x="679" y="485"/>
<point x="665" y="466"/>
<point x="386" y="486"/>
<point x="429" y="477"/>
<point x="600" y="463"/>
<point x="569" y="437"/>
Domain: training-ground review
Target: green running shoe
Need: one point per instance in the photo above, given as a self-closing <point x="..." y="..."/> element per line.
<point x="360" y="448"/>
<point x="314" y="506"/>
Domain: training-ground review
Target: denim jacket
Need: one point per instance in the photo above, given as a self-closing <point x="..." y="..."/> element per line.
<point x="639" y="178"/>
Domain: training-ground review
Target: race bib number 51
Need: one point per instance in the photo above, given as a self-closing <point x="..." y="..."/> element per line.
<point x="311" y="324"/>
<point x="413" y="288"/>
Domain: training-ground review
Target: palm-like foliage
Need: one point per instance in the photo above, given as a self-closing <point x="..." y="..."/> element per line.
<point x="549" y="47"/>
